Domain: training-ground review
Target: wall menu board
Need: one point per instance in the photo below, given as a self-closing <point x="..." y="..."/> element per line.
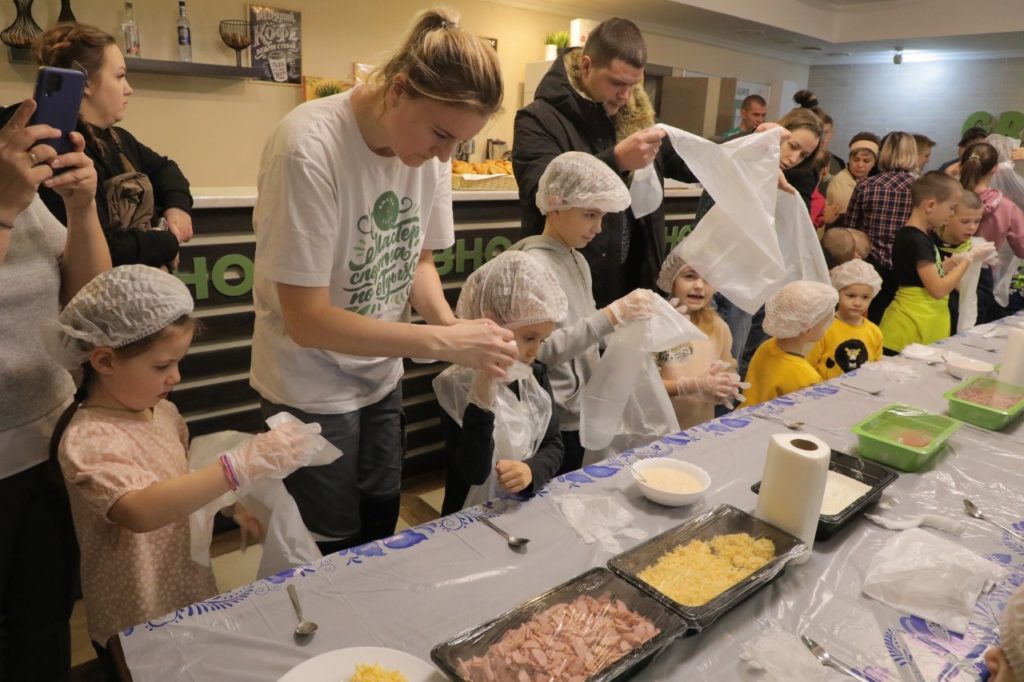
<point x="276" y="49"/>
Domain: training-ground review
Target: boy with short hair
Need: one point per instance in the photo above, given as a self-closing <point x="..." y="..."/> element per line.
<point x="842" y="244"/>
<point x="920" y="311"/>
<point x="954" y="241"/>
<point x="796" y="316"/>
<point x="853" y="340"/>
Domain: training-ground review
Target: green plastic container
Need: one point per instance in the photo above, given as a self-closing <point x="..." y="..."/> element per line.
<point x="982" y="415"/>
<point x="903" y="437"/>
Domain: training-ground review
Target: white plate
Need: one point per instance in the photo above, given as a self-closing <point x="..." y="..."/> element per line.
<point x="339" y="665"/>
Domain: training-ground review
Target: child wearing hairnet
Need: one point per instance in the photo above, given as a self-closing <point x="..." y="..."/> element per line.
<point x="573" y="194"/>
<point x="1005" y="662"/>
<point x="795" y="317"/>
<point x="502" y="434"/>
<point x="701" y="374"/>
<point x="122" y="448"/>
<point x="852" y="340"/>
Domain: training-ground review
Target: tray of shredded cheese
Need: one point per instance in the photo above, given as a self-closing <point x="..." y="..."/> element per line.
<point x="596" y="627"/>
<point x="853" y="485"/>
<point x="709" y="564"/>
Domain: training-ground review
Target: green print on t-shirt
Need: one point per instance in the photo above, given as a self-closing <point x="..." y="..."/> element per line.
<point x="384" y="259"/>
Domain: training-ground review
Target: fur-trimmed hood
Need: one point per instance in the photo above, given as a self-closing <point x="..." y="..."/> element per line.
<point x="562" y="88"/>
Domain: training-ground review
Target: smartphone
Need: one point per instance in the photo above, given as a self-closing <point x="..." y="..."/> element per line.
<point x="58" y="97"/>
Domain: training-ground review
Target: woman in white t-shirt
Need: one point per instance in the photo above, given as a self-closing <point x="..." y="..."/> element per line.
<point x="354" y="197"/>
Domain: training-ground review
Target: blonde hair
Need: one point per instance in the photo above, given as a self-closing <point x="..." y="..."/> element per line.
<point x="802" y="119"/>
<point x="440" y="61"/>
<point x="898" y="153"/>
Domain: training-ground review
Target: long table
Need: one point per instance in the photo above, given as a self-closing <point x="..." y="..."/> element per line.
<point x="425" y="584"/>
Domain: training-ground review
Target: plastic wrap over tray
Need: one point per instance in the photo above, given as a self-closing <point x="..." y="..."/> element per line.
<point x="596" y="618"/>
<point x="722" y="520"/>
<point x="876" y="476"/>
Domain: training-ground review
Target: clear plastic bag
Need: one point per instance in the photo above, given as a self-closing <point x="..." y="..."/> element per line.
<point x="519" y="423"/>
<point x="625" y="398"/>
<point x="928" y="576"/>
<point x="802" y="254"/>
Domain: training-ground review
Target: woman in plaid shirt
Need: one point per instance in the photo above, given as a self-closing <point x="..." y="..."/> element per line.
<point x="880" y="205"/>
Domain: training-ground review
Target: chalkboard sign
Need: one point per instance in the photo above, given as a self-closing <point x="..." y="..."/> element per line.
<point x="276" y="48"/>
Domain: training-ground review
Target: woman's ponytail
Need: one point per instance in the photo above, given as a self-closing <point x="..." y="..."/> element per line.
<point x="976" y="162"/>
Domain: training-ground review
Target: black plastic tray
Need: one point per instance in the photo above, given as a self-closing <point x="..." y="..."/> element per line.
<point x="868" y="473"/>
<point x="596" y="581"/>
<point x="721" y="520"/>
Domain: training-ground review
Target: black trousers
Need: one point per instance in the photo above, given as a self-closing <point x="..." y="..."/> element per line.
<point x="38" y="569"/>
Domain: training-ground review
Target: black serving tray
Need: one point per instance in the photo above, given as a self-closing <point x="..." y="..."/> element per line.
<point x="868" y="473"/>
<point x="721" y="520"/>
<point x="596" y="581"/>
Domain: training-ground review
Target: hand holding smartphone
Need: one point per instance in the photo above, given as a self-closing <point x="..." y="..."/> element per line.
<point x="58" y="97"/>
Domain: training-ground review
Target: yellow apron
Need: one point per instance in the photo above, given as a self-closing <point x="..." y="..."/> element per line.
<point x="914" y="317"/>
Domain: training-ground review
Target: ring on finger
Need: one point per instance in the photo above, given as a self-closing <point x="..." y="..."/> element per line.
<point x="32" y="155"/>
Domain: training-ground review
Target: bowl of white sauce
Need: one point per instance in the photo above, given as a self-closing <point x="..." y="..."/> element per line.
<point x="671" y="482"/>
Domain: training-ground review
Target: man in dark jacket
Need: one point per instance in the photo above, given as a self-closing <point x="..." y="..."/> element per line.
<point x="592" y="100"/>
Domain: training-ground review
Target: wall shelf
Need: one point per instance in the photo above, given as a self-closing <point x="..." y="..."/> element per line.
<point x="162" y="66"/>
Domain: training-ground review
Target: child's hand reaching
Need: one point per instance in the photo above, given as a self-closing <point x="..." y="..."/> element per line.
<point x="636" y="305"/>
<point x="276" y="453"/>
<point x="513" y="475"/>
<point x="718" y="385"/>
<point x="983" y="251"/>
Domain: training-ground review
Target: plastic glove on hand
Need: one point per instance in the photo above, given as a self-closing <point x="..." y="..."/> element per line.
<point x="982" y="251"/>
<point x="636" y="305"/>
<point x="275" y="453"/>
<point x="717" y="385"/>
<point x="678" y="306"/>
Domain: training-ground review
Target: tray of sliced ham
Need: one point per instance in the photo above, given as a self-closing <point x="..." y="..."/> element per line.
<point x="593" y="628"/>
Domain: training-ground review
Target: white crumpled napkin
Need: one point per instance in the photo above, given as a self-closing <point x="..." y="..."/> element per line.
<point x="782" y="657"/>
<point x="890" y="371"/>
<point x="919" y="351"/>
<point x="928" y="576"/>
<point x="954" y="526"/>
<point x="597" y="518"/>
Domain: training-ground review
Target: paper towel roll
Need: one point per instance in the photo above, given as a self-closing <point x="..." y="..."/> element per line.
<point x="793" y="485"/>
<point x="1012" y="369"/>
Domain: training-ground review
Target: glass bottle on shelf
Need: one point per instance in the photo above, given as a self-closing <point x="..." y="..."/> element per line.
<point x="184" y="34"/>
<point x="130" y="31"/>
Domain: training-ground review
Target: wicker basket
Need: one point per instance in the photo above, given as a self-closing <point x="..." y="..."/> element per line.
<point x="490" y="183"/>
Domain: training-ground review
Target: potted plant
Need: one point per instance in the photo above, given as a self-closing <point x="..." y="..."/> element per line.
<point x="554" y="44"/>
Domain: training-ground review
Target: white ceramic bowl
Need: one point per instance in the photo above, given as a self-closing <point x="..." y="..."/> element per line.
<point x="963" y="367"/>
<point x="668" y="497"/>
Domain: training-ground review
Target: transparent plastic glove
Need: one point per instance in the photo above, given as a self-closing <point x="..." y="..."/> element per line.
<point x="483" y="391"/>
<point x="982" y="251"/>
<point x="678" y="306"/>
<point x="717" y="385"/>
<point x="636" y="305"/>
<point x="276" y="453"/>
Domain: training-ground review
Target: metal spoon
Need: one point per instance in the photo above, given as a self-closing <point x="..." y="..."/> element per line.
<point x="305" y="628"/>
<point x="513" y="541"/>
<point x="794" y="425"/>
<point x="869" y="391"/>
<point x="636" y="472"/>
<point x="971" y="509"/>
<point x="827" y="659"/>
<point x="984" y="348"/>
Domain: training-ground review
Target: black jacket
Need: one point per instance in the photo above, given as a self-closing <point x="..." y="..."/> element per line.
<point x="471" y="449"/>
<point x="170" y="189"/>
<point x="562" y="119"/>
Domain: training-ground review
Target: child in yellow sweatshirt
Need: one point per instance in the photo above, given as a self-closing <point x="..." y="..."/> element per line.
<point x="796" y="316"/>
<point x="853" y="340"/>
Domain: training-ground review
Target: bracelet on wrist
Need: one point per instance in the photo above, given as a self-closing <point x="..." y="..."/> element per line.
<point x="229" y="472"/>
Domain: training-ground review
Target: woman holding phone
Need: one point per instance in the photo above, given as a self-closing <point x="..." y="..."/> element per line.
<point x="354" y="196"/>
<point x="41" y="265"/>
<point x="138" y="189"/>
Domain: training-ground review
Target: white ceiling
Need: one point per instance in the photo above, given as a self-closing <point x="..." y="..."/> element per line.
<point x="823" y="31"/>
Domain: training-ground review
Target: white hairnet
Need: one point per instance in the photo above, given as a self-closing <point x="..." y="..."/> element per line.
<point x="673" y="264"/>
<point x="797" y="307"/>
<point x="578" y="180"/>
<point x="856" y="271"/>
<point x="116" y="308"/>
<point x="515" y="289"/>
<point x="1011" y="632"/>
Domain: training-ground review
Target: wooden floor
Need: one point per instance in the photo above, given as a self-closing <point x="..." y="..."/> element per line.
<point x="421" y="502"/>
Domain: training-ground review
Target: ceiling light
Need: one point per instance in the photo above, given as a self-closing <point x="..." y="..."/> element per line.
<point x="750" y="32"/>
<point x="897" y="57"/>
<point x="837" y="54"/>
<point x="811" y="48"/>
